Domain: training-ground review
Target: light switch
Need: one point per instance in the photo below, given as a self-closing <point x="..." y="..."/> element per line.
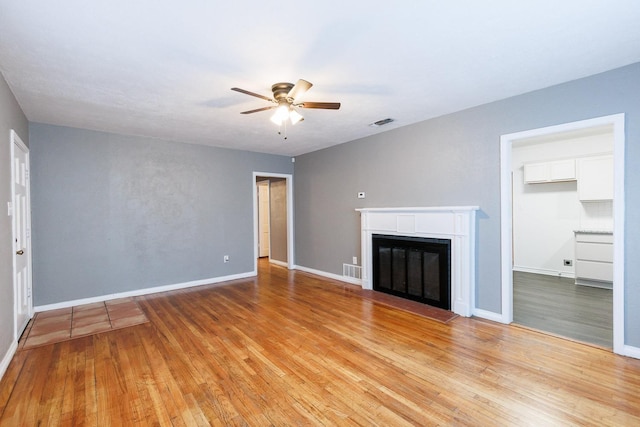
<point x="361" y="195"/>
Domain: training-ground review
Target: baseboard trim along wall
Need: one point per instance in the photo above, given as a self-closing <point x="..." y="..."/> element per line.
<point x="279" y="263"/>
<point x="329" y="275"/>
<point x="554" y="273"/>
<point x="4" y="364"/>
<point x="146" y="291"/>
<point x="630" y="351"/>
<point x="488" y="315"/>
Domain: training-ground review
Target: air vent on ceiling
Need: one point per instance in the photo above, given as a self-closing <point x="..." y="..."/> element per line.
<point x="382" y="122"/>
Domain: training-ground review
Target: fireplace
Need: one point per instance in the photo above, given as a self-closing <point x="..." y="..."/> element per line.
<point x="454" y="223"/>
<point x="416" y="268"/>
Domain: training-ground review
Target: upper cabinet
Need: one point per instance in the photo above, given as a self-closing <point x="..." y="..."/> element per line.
<point x="595" y="178"/>
<point x="552" y="171"/>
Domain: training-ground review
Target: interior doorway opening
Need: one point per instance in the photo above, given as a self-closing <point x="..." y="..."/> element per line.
<point x="273" y="218"/>
<point x="512" y="263"/>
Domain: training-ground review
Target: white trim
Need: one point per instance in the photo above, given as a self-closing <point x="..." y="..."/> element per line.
<point x="8" y="356"/>
<point x="630" y="351"/>
<point x="618" y="233"/>
<point x="290" y="228"/>
<point x="146" y="291"/>
<point x="506" y="231"/>
<point x="506" y="226"/>
<point x="278" y="263"/>
<point x="489" y="315"/>
<point x="329" y="275"/>
<point x="554" y="273"/>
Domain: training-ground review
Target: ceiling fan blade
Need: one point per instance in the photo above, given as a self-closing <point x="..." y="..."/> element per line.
<point x="324" y="105"/>
<point x="301" y="87"/>
<point x="257" y="95"/>
<point x="259" y="109"/>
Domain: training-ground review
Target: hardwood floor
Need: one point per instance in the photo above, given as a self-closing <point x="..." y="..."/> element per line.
<point x="559" y="306"/>
<point x="290" y="348"/>
<point x="66" y="323"/>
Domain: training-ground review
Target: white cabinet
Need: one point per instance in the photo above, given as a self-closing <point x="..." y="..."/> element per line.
<point x="594" y="258"/>
<point x="552" y="171"/>
<point x="536" y="172"/>
<point x="595" y="178"/>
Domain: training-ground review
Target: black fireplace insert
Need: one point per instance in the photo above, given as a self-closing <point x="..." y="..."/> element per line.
<point x="415" y="268"/>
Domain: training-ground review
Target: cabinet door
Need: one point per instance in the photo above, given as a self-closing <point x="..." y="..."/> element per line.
<point x="562" y="170"/>
<point x="595" y="178"/>
<point x="590" y="270"/>
<point x="601" y="252"/>
<point x="536" y="172"/>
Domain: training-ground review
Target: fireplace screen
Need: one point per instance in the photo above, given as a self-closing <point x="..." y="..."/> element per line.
<point x="414" y="268"/>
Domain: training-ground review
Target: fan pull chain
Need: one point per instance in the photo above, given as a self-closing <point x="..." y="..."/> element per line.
<point x="285" y="129"/>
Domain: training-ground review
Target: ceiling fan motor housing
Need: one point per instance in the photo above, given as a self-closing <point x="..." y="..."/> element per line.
<point x="281" y="90"/>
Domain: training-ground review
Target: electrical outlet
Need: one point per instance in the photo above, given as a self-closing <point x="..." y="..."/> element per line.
<point x="355" y="260"/>
<point x="226" y="258"/>
<point x="568" y="262"/>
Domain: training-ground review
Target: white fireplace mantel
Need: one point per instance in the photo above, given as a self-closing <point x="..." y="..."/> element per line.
<point x="456" y="223"/>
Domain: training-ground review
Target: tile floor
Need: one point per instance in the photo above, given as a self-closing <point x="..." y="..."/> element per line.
<point x="53" y="326"/>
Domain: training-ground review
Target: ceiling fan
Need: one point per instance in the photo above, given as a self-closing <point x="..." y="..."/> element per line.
<point x="284" y="100"/>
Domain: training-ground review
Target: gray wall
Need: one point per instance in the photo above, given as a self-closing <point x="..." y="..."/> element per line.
<point x="114" y="213"/>
<point x="278" y="217"/>
<point x="455" y="160"/>
<point x="11" y="117"/>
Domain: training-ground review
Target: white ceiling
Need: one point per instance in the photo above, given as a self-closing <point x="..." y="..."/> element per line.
<point x="164" y="68"/>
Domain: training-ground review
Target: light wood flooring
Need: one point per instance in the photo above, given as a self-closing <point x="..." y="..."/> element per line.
<point x="559" y="306"/>
<point x="290" y="348"/>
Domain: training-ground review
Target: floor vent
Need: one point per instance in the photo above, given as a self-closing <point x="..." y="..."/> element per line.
<point x="353" y="271"/>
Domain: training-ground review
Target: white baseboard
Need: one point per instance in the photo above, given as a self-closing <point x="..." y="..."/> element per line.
<point x="554" y="273"/>
<point x="145" y="291"/>
<point x="329" y="275"/>
<point x="489" y="315"/>
<point x="8" y="356"/>
<point x="631" y="351"/>
<point x="279" y="263"/>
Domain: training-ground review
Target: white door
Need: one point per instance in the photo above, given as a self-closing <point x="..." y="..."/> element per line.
<point x="21" y="210"/>
<point x="263" y="218"/>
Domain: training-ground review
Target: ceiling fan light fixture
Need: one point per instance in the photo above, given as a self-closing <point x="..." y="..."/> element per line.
<point x="286" y="112"/>
<point x="295" y="117"/>
<point x="281" y="114"/>
<point x="284" y="101"/>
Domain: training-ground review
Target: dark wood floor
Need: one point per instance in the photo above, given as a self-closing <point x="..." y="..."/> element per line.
<point x="559" y="306"/>
<point x="290" y="348"/>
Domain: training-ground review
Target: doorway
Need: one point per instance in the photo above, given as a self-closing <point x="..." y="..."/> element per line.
<point x="21" y="233"/>
<point x="509" y="242"/>
<point x="277" y="200"/>
<point x="264" y="222"/>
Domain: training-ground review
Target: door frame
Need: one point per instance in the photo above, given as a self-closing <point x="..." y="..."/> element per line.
<point x="265" y="183"/>
<point x="16" y="143"/>
<point x="506" y="211"/>
<point x="290" y="234"/>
